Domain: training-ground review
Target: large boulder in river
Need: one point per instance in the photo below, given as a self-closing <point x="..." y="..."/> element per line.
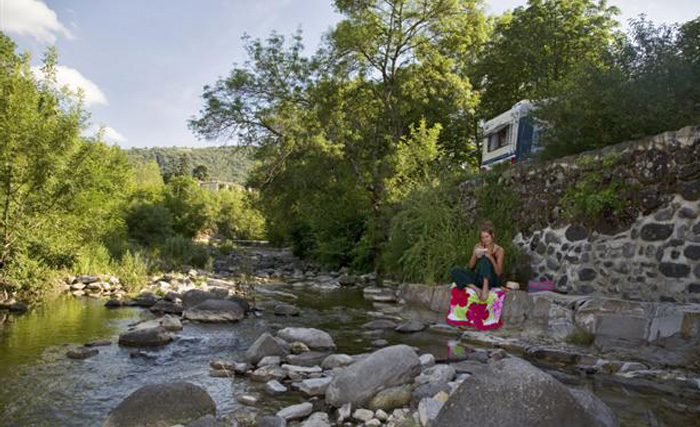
<point x="195" y="297"/>
<point x="513" y="393"/>
<point x="162" y="405"/>
<point x="315" y="339"/>
<point x="265" y="345"/>
<point x="358" y="383"/>
<point x="215" y="310"/>
<point x="146" y="337"/>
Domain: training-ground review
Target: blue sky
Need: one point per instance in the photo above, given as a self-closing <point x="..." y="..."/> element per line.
<point x="143" y="64"/>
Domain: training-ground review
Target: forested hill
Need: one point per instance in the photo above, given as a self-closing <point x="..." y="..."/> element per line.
<point x="229" y="163"/>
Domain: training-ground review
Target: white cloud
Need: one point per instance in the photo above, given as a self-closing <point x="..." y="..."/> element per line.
<point x="109" y="134"/>
<point x="32" y="18"/>
<point x="72" y="78"/>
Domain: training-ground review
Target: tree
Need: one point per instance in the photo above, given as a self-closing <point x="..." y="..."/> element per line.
<point x="201" y="173"/>
<point x="535" y="47"/>
<point x="49" y="174"/>
<point x="649" y="84"/>
<point x="352" y="113"/>
<point x="189" y="205"/>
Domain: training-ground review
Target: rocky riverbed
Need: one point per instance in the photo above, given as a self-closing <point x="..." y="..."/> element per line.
<point x="269" y="340"/>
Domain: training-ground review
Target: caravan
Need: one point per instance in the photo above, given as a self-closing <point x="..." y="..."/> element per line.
<point x="510" y="137"/>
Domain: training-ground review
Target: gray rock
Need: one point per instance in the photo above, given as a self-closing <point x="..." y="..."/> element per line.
<point x="216" y="311"/>
<point x="286" y="310"/>
<point x="428" y="410"/>
<point x="310" y="358"/>
<point x="380" y="324"/>
<point x="267" y="373"/>
<point x="410" y="327"/>
<point x="147" y="337"/>
<point x="670" y="269"/>
<point x="317" y="419"/>
<point x="205" y="421"/>
<point x="195" y="297"/>
<point x="363" y="415"/>
<point x="275" y="388"/>
<point x="247" y="399"/>
<point x="520" y="388"/>
<point x="427" y="361"/>
<point x="265" y="345"/>
<point x="380" y="343"/>
<point x="655" y="232"/>
<point x="575" y="233"/>
<point x="272" y="421"/>
<point x="336" y="361"/>
<point x="145" y="300"/>
<point x="690" y="190"/>
<point x="82" y="353"/>
<point x="270" y="361"/>
<point x="391" y="398"/>
<point x="392" y="366"/>
<point x="171" y="323"/>
<point x="315" y="339"/>
<point x="163" y="306"/>
<point x="603" y="415"/>
<point x="162" y="404"/>
<point x="438" y="373"/>
<point x="314" y="386"/>
<point x="296" y="412"/>
<point x="428" y="390"/>
<point x="344" y="413"/>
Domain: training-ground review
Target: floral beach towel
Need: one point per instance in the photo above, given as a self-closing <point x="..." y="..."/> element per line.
<point x="466" y="309"/>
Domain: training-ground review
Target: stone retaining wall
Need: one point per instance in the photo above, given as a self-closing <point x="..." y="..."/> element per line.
<point x="648" y="251"/>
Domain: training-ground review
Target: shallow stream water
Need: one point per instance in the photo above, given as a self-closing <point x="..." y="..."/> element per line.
<point x="42" y="387"/>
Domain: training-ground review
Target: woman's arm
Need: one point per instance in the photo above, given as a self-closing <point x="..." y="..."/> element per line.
<point x="472" y="260"/>
<point x="497" y="260"/>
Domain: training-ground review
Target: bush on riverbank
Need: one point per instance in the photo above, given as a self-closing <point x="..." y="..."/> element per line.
<point x="432" y="233"/>
<point x="71" y="204"/>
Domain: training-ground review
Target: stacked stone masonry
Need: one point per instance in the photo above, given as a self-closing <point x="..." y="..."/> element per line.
<point x="650" y="252"/>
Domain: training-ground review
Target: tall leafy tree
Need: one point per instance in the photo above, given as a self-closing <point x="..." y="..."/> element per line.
<point x="51" y="179"/>
<point x="536" y="46"/>
<point x="648" y="85"/>
<point x="380" y="92"/>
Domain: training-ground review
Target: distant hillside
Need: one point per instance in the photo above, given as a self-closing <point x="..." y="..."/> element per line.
<point x="231" y="164"/>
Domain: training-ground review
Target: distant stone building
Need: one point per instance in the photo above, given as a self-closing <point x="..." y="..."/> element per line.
<point x="220" y="185"/>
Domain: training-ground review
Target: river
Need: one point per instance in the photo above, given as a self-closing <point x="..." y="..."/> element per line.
<point x="42" y="387"/>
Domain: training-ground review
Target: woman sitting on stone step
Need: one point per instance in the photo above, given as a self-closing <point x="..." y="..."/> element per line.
<point x="485" y="265"/>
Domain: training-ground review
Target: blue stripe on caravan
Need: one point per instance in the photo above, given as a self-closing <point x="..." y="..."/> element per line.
<point x="495" y="159"/>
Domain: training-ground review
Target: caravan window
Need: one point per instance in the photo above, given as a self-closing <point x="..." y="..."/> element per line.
<point x="499" y="139"/>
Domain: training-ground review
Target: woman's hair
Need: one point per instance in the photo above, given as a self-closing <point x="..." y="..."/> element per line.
<point x="487" y="227"/>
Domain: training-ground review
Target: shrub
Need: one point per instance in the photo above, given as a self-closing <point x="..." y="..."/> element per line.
<point x="149" y="223"/>
<point x="580" y="337"/>
<point x="179" y="250"/>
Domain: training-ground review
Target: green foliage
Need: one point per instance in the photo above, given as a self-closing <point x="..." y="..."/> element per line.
<point x="592" y="197"/>
<point x="646" y="85"/>
<point x="538" y="45"/>
<point x="189" y="205"/>
<point x="201" y="173"/>
<point x="148" y="223"/>
<point x="428" y="237"/>
<point x="580" y="337"/>
<point x="74" y="204"/>
<point x="178" y="251"/>
<point x="236" y="217"/>
<point x="349" y="132"/>
<point x="226" y="163"/>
